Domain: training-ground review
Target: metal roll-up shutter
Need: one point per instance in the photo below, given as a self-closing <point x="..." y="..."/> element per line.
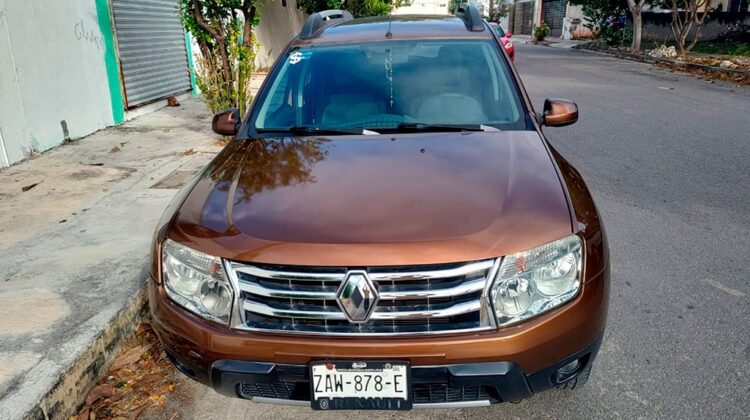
<point x="524" y="16"/>
<point x="151" y="43"/>
<point x="554" y="12"/>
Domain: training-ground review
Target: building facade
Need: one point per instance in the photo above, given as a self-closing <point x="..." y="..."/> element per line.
<point x="424" y="7"/>
<point x="566" y="20"/>
<point x="70" y="68"/>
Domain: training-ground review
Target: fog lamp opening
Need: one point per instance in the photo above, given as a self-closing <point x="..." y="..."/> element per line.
<point x="569" y="370"/>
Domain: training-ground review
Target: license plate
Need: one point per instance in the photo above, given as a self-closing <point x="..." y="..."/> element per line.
<point x="360" y="385"/>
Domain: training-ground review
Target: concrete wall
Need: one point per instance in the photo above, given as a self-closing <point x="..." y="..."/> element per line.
<point x="573" y="23"/>
<point x="656" y="25"/>
<point x="278" y="25"/>
<point x="425" y="7"/>
<point x="51" y="70"/>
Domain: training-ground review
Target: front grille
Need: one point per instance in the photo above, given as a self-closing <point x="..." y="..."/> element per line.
<point x="430" y="393"/>
<point x="443" y="393"/>
<point x="413" y="299"/>
<point x="278" y="390"/>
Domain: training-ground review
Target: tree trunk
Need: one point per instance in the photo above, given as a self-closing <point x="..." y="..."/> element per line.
<point x="637" y="27"/>
<point x="635" y="7"/>
<point x="681" y="43"/>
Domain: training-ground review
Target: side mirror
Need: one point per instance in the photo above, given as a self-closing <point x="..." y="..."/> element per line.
<point x="559" y="112"/>
<point x="508" y="34"/>
<point x="227" y="122"/>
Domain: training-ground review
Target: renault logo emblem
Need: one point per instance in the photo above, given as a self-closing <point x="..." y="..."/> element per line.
<point x="357" y="296"/>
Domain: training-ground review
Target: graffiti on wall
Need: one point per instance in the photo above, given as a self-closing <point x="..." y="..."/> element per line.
<point x="82" y="33"/>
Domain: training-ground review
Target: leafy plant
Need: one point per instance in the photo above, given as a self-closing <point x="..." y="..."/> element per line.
<point x="616" y="33"/>
<point x="223" y="30"/>
<point x="541" y="31"/>
<point x="688" y="18"/>
<point x="497" y="9"/>
<point x="597" y="13"/>
<point x="358" y="8"/>
<point x="452" y="6"/>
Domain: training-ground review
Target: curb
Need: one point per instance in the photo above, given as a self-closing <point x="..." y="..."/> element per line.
<point x="652" y="60"/>
<point x="65" y="397"/>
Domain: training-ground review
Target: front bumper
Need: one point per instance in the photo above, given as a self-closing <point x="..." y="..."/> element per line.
<point x="449" y="386"/>
<point x="507" y="364"/>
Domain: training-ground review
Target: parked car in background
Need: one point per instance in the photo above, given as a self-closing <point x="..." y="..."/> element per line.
<point x="504" y="38"/>
<point x="389" y="229"/>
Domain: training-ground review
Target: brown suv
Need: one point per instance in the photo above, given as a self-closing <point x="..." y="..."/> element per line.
<point x="389" y="230"/>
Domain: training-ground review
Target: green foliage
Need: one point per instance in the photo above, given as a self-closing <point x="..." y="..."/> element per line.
<point x="541" y="31"/>
<point x="358" y="8"/>
<point x="597" y="13"/>
<point x="365" y="8"/>
<point x="498" y="9"/>
<point x="723" y="48"/>
<point x="312" y="6"/>
<point x="616" y="33"/>
<point x="452" y="6"/>
<point x="223" y="30"/>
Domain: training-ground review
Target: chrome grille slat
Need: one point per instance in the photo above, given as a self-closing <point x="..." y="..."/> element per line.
<point x="291" y="292"/>
<point x="329" y="292"/>
<point x="412" y="299"/>
<point x="425" y="313"/>
<point x="287" y="275"/>
<point x="434" y="274"/>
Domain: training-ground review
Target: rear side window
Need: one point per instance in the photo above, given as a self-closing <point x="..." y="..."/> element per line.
<point x="380" y="85"/>
<point x="498" y="31"/>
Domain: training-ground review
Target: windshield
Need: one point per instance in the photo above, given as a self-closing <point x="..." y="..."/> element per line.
<point x="388" y="85"/>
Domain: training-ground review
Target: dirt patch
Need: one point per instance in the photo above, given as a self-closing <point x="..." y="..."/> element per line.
<point x="702" y="66"/>
<point x="50" y="307"/>
<point x="174" y="180"/>
<point x="85" y="174"/>
<point x="138" y="384"/>
<point x="45" y="193"/>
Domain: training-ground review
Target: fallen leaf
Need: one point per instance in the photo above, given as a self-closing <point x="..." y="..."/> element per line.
<point x="114" y="150"/>
<point x="99" y="391"/>
<point x="187" y="152"/>
<point x="136" y="413"/>
<point x="129" y="357"/>
<point x="83" y="415"/>
<point x="30" y="186"/>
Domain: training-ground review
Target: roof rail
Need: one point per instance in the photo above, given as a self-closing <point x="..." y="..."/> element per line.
<point x="320" y="20"/>
<point x="471" y="17"/>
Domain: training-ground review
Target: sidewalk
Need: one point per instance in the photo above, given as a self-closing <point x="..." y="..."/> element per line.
<point x="73" y="248"/>
<point x="550" y="42"/>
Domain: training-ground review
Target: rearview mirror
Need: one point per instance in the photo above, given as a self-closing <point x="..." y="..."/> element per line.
<point x="508" y="34"/>
<point x="226" y="122"/>
<point x="559" y="112"/>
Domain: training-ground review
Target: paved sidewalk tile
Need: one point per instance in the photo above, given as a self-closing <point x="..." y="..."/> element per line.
<point x="75" y="228"/>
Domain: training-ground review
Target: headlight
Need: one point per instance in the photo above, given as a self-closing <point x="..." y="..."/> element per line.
<point x="535" y="281"/>
<point x="197" y="282"/>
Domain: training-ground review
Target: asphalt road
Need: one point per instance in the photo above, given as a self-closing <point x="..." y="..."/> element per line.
<point x="667" y="158"/>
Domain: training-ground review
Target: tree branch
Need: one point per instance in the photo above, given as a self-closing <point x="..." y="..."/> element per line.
<point x="220" y="40"/>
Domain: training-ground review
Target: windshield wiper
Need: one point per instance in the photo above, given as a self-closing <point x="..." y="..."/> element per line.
<point x="444" y="127"/>
<point x="304" y="129"/>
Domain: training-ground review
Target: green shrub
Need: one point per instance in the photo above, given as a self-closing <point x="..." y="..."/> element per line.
<point x="616" y="33"/>
<point x="541" y="31"/>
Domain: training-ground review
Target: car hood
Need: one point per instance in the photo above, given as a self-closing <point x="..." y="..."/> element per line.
<point x="376" y="200"/>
